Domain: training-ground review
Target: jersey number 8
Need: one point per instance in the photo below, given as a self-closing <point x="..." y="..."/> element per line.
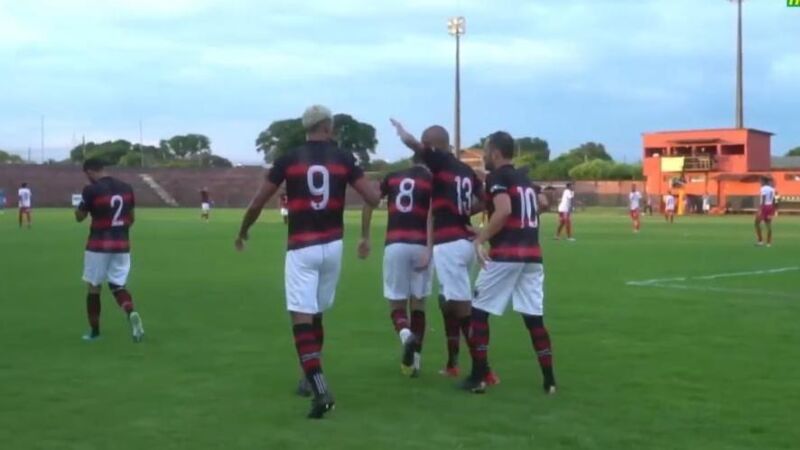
<point x="319" y="186"/>
<point x="406" y="195"/>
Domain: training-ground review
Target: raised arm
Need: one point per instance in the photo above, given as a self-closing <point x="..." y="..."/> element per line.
<point x="265" y="192"/>
<point x="408" y="139"/>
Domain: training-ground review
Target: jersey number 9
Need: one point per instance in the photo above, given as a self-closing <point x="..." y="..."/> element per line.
<point x="319" y="182"/>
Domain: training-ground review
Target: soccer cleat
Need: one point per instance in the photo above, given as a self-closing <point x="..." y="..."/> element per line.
<point x="571" y="239"/>
<point x="321" y="405"/>
<point x="89" y="337"/>
<point x="491" y="379"/>
<point x="407" y="363"/>
<point x="450" y="372"/>
<point x="473" y="384"/>
<point x="137" y="329"/>
<point x="550" y="389"/>
<point x="759" y="244"/>
<point x="303" y="388"/>
<point x="417" y="365"/>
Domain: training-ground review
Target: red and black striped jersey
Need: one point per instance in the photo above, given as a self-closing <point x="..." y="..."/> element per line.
<point x="518" y="241"/>
<point x="110" y="202"/>
<point x="454" y="187"/>
<point x="408" y="194"/>
<point x="316" y="176"/>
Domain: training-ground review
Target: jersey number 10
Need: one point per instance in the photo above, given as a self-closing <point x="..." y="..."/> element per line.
<point x="529" y="216"/>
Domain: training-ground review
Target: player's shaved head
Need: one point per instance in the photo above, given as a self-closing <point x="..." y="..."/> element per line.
<point x="436" y="137"/>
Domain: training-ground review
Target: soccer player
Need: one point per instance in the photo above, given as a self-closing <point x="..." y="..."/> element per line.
<point x="706" y="203"/>
<point x="634" y="200"/>
<point x="205" y="204"/>
<point x="285" y="208"/>
<point x="669" y="207"/>
<point x="766" y="211"/>
<point x="24" y="197"/>
<point x="316" y="176"/>
<point x="110" y="202"/>
<point x="565" y="213"/>
<point x="456" y="190"/>
<point x="407" y="274"/>
<point x="512" y="270"/>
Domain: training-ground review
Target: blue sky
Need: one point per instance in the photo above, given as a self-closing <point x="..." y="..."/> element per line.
<point x="569" y="71"/>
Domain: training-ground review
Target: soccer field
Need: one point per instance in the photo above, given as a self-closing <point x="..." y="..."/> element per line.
<point x="700" y="351"/>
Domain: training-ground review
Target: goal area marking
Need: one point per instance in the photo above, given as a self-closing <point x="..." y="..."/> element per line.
<point x="679" y="282"/>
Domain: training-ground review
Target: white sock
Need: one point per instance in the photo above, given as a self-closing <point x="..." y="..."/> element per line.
<point x="405" y="335"/>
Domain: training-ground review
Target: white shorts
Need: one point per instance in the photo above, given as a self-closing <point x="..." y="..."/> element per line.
<point x="522" y="283"/>
<point x="312" y="274"/>
<point x="101" y="267"/>
<point x="670" y="210"/>
<point x="401" y="279"/>
<point x="206" y="207"/>
<point x="453" y="262"/>
<point x="284" y="212"/>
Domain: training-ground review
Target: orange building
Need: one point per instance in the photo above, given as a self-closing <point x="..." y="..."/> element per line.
<point x="725" y="164"/>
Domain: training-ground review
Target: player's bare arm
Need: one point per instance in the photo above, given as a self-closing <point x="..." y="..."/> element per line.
<point x="407" y="138"/>
<point x="364" y="245"/>
<point x="502" y="210"/>
<point x="81" y="214"/>
<point x="370" y="195"/>
<point x="425" y="261"/>
<point x="264" y="194"/>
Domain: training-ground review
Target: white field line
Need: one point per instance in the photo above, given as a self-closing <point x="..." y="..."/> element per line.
<point x="748" y="292"/>
<point x="657" y="281"/>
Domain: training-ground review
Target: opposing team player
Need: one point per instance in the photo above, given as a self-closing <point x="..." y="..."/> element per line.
<point x="512" y="269"/>
<point x="284" y="208"/>
<point x="407" y="272"/>
<point x="766" y="212"/>
<point x="669" y="207"/>
<point x="110" y="202"/>
<point x="24" y="198"/>
<point x="205" y="204"/>
<point x="456" y="190"/>
<point x="634" y="202"/>
<point x="565" y="212"/>
<point x="316" y="176"/>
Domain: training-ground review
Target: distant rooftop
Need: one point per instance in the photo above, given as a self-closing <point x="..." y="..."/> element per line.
<point x="710" y="130"/>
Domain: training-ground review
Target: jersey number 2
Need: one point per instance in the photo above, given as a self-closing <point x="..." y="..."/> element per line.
<point x="118" y="203"/>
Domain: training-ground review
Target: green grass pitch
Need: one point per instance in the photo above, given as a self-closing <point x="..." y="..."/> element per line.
<point x="692" y="363"/>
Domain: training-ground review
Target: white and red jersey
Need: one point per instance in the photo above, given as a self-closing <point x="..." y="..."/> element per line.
<point x="566" y="201"/>
<point x="669" y="202"/>
<point x="24" y="195"/>
<point x="635" y="198"/>
<point x="767" y="195"/>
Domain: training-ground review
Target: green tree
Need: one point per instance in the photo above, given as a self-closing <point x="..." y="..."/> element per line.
<point x="279" y="138"/>
<point x="596" y="169"/>
<point x="355" y="137"/>
<point x="285" y="135"/>
<point x="793" y="152"/>
<point x="186" y="145"/>
<point x="537" y="147"/>
<point x="10" y="158"/>
<point x="110" y="152"/>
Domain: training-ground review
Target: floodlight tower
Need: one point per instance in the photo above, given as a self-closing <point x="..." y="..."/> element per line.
<point x="456" y="26"/>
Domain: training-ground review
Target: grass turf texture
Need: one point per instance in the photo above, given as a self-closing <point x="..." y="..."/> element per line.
<point x="638" y="367"/>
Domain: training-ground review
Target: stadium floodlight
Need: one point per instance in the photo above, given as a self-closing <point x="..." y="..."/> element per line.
<point x="739" y="68"/>
<point x="457" y="27"/>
